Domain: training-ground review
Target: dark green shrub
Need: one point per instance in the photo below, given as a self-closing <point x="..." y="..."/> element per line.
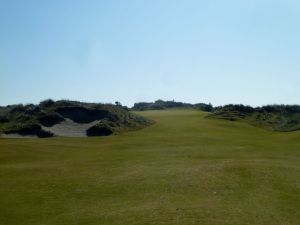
<point x="100" y="129"/>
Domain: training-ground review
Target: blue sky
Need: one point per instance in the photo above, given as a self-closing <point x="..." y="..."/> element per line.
<point x="234" y="51"/>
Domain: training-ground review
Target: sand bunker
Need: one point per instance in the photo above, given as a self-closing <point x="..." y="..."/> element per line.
<point x="69" y="128"/>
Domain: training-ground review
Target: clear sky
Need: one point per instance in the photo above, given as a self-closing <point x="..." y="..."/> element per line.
<point x="233" y="51"/>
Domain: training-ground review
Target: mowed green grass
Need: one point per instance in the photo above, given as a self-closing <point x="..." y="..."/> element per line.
<point x="186" y="169"/>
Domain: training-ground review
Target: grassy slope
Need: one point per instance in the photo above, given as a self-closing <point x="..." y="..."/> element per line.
<point x="185" y="169"/>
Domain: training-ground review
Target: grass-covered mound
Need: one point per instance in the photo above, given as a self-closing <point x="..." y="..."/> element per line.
<point x="275" y="117"/>
<point x="37" y="120"/>
<point x="160" y="104"/>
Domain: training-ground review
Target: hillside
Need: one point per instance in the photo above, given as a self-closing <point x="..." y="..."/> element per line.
<point x="185" y="169"/>
<point x="274" y="117"/>
<point x="67" y="118"/>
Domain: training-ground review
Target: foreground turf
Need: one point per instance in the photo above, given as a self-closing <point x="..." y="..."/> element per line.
<point x="186" y="169"/>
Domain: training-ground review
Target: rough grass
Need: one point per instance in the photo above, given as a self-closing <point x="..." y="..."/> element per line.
<point x="185" y="169"/>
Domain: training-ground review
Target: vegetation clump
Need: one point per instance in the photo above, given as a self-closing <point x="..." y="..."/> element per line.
<point x="160" y="104"/>
<point x="274" y="117"/>
<point x="28" y="129"/>
<point x="101" y="129"/>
